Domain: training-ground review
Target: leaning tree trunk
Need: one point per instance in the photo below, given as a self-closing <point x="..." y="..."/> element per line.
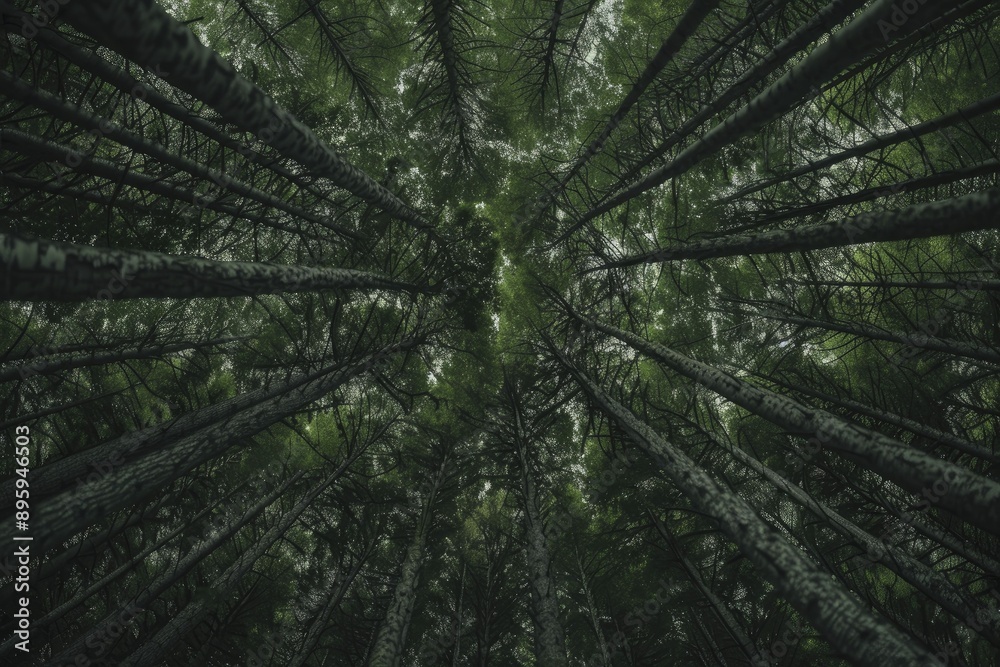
<point x="41" y="270"/>
<point x="320" y="623"/>
<point x="972" y="212"/>
<point x="931" y="583"/>
<point x="847" y="46"/>
<point x="938" y="437"/>
<point x="866" y="639"/>
<point x="63" y="516"/>
<point x="985" y="168"/>
<point x="154" y="651"/>
<point x="143" y="32"/>
<point x="697" y="12"/>
<point x="963" y="115"/>
<point x="75" y="469"/>
<point x="825" y="19"/>
<point x="921" y="340"/>
<point x="69" y="655"/>
<point x="968" y="495"/>
<point x="391" y="640"/>
<point x="47" y="366"/>
<point x="729" y="621"/>
<point x="550" y="643"/>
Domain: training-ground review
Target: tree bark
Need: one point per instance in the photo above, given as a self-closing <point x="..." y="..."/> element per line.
<point x="391" y="640"/>
<point x="971" y="212"/>
<point x="968" y="495"/>
<point x="866" y="639"/>
<point x="847" y="46"/>
<point x="138" y="604"/>
<point x="143" y="32"/>
<point x="42" y="270"/>
<point x="62" y="516"/>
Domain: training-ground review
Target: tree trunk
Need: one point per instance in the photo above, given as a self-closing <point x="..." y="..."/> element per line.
<point x="729" y="621"/>
<point x="847" y="46"/>
<point x="63" y="516"/>
<point x="143" y="32"/>
<point x="138" y="604"/>
<point x="391" y="641"/>
<point x="824" y="20"/>
<point x="931" y="583"/>
<point x="971" y="212"/>
<point x="939" y="437"/>
<point x="155" y="650"/>
<point x="18" y="89"/>
<point x="968" y="495"/>
<point x="48" y="366"/>
<point x="963" y="115"/>
<point x="866" y="639"/>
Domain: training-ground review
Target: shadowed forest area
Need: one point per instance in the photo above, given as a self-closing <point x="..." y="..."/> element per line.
<point x="590" y="333"/>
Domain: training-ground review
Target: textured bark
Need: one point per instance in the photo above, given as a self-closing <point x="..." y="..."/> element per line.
<point x="697" y="12"/>
<point x="143" y="32"/>
<point x="824" y="20"/>
<point x="48" y="366"/>
<point x="849" y="45"/>
<point x="958" y="117"/>
<point x="43" y="270"/>
<point x="729" y="621"/>
<point x="68" y="471"/>
<point x="18" y="89"/>
<point x="319" y="624"/>
<point x="179" y="202"/>
<point x="939" y="437"/>
<point x="917" y="340"/>
<point x="592" y="616"/>
<point x="864" y="638"/>
<point x="14" y="21"/>
<point x="963" y="285"/>
<point x="972" y="212"/>
<point x="68" y="656"/>
<point x="93" y="589"/>
<point x="968" y="495"/>
<point x="935" y="585"/>
<point x="922" y="525"/>
<point x="391" y="640"/>
<point x="550" y="643"/>
<point x="154" y="651"/>
<point x="60" y="517"/>
<point x="985" y="168"/>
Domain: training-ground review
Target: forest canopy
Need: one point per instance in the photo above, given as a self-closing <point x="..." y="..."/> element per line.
<point x="605" y="333"/>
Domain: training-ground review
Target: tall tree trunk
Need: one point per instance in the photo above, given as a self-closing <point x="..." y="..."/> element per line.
<point x="866" y="639"/>
<point x="984" y="168"/>
<point x="918" y="340"/>
<point x="934" y="585"/>
<point x="963" y="115"/>
<point x="312" y="636"/>
<point x="845" y="47"/>
<point x="968" y="495"/>
<point x="48" y="366"/>
<point x="18" y="89"/>
<point x="14" y="21"/>
<point x="143" y="32"/>
<point x="729" y="621"/>
<point x="391" y="640"/>
<point x="824" y="20"/>
<point x="140" y="603"/>
<point x="61" y="517"/>
<point x="156" y="648"/>
<point x="938" y="437"/>
<point x="971" y="212"/>
<point x="42" y="270"/>
<point x="697" y="12"/>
